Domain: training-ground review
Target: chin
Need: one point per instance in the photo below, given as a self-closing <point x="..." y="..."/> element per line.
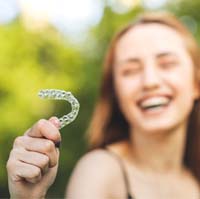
<point x="164" y="127"/>
<point x="157" y="131"/>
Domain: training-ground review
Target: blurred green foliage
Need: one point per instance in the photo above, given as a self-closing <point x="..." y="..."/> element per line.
<point x="30" y="61"/>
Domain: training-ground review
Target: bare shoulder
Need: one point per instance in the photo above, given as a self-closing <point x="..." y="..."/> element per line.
<point x="94" y="175"/>
<point x="95" y="162"/>
<point x="95" y="157"/>
<point x="102" y="160"/>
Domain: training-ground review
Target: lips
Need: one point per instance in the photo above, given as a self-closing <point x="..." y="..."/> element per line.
<point x="154" y="102"/>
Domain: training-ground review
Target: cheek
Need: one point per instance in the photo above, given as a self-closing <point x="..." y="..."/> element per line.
<point x="126" y="91"/>
<point x="183" y="87"/>
<point x="125" y="88"/>
<point x="183" y="81"/>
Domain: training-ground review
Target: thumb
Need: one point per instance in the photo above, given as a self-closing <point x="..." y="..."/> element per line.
<point x="55" y="121"/>
<point x="46" y="129"/>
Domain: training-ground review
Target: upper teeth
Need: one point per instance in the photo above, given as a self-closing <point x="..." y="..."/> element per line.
<point x="154" y="101"/>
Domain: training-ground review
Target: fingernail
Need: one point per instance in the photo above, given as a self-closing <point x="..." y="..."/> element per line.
<point x="55" y="121"/>
<point x="57" y="144"/>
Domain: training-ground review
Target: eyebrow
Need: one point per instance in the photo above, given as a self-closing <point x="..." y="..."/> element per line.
<point x="129" y="60"/>
<point x="165" y="54"/>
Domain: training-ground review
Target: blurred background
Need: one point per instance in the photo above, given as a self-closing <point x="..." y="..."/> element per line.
<point x="61" y="44"/>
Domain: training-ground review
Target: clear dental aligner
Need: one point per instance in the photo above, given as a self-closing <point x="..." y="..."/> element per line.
<point x="62" y="95"/>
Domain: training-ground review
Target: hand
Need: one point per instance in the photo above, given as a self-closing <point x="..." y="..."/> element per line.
<point x="33" y="161"/>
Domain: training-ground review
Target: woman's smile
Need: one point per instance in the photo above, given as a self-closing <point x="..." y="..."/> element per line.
<point x="154" y="104"/>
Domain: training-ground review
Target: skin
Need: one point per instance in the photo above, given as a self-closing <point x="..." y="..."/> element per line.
<point x="143" y="73"/>
<point x="146" y="65"/>
<point x="140" y="72"/>
<point x="33" y="161"/>
<point x="158" y="69"/>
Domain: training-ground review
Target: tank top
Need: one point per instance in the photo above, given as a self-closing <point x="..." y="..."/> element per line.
<point x="124" y="173"/>
<point x="125" y="176"/>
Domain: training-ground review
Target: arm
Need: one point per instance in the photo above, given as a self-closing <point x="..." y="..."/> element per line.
<point x="97" y="175"/>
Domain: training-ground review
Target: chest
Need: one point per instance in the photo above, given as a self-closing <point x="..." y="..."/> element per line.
<point x="168" y="188"/>
<point x="143" y="187"/>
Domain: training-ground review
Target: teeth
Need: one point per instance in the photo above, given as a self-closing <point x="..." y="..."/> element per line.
<point x="154" y="102"/>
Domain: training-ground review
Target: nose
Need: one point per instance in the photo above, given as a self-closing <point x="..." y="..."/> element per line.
<point x="150" y="77"/>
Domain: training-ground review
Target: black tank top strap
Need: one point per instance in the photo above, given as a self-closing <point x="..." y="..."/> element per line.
<point x="122" y="167"/>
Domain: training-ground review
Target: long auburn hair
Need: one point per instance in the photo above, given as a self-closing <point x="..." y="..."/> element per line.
<point x="108" y="125"/>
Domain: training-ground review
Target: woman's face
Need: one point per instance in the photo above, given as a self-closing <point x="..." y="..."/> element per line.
<point x="154" y="78"/>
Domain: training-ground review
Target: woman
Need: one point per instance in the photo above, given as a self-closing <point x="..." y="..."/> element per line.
<point x="144" y="132"/>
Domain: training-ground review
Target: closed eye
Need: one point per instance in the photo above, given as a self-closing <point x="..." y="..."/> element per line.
<point x="168" y="64"/>
<point x="130" y="68"/>
<point x="167" y="60"/>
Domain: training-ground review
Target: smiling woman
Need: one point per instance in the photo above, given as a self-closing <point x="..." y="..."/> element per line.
<point x="152" y="94"/>
<point x="143" y="136"/>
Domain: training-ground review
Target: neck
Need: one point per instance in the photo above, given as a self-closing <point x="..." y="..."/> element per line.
<point x="160" y="152"/>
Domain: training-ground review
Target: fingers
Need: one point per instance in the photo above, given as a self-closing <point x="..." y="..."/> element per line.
<point x="37" y="159"/>
<point x="31" y="158"/>
<point x="19" y="170"/>
<point x="34" y="153"/>
<point x="39" y="145"/>
<point x="46" y="129"/>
